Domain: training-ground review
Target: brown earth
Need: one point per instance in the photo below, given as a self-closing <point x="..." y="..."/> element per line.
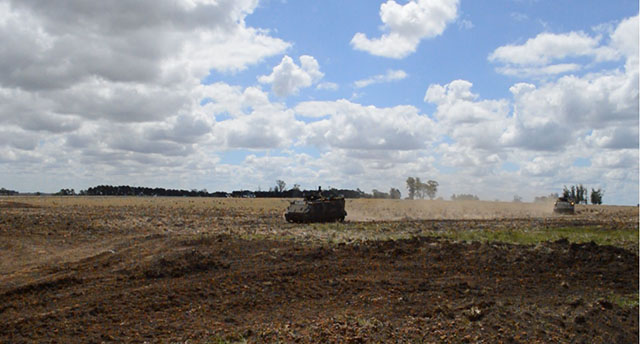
<point x="176" y="271"/>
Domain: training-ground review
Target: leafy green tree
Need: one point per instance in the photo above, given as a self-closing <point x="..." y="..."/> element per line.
<point x="411" y="187"/>
<point x="66" y="192"/>
<point x="419" y="188"/>
<point x="577" y="193"/>
<point x="596" y="196"/>
<point x="581" y="193"/>
<point x="431" y="188"/>
<point x="395" y="193"/>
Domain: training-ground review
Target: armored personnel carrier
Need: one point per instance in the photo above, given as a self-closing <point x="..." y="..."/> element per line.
<point x="316" y="208"/>
<point x="564" y="206"/>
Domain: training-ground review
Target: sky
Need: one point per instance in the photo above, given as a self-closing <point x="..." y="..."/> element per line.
<point x="494" y="98"/>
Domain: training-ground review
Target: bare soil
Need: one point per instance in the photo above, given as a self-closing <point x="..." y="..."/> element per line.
<point x="173" y="271"/>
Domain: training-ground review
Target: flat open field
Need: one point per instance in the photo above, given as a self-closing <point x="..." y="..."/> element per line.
<point x="202" y="270"/>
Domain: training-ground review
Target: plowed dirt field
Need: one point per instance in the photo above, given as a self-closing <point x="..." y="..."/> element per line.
<point x="92" y="270"/>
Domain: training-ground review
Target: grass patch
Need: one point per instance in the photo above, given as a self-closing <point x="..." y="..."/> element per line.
<point x="624" y="301"/>
<point x="627" y="238"/>
<point x="527" y="234"/>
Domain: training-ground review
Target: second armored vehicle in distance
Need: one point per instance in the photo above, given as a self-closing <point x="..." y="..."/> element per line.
<point x="564" y="206"/>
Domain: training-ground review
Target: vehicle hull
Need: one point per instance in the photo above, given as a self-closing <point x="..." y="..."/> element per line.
<point x="564" y="207"/>
<point x="318" y="210"/>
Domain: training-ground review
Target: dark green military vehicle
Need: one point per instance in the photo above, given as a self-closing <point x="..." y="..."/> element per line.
<point x="316" y="208"/>
<point x="564" y="206"/>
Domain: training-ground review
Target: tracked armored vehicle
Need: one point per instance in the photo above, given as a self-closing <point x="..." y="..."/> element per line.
<point x="316" y="208"/>
<point x="564" y="206"/>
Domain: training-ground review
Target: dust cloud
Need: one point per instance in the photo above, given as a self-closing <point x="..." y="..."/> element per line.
<point x="395" y="210"/>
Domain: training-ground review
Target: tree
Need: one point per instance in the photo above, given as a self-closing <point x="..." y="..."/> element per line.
<point x="296" y="187"/>
<point x="6" y="192"/>
<point x="379" y="194"/>
<point x="411" y="187"/>
<point x="431" y="189"/>
<point x="66" y="192"/>
<point x="395" y="193"/>
<point x="464" y="197"/>
<point x="517" y="199"/>
<point x="419" y="189"/>
<point x="596" y="196"/>
<point x="581" y="193"/>
<point x="577" y="193"/>
<point x="280" y="185"/>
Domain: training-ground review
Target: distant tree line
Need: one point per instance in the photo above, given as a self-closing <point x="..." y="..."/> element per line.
<point x="418" y="189"/>
<point x="279" y="191"/>
<point x="66" y="192"/>
<point x="464" y="197"/>
<point x="5" y="192"/>
<point x="125" y="190"/>
<point x="578" y="194"/>
<point x="392" y="194"/>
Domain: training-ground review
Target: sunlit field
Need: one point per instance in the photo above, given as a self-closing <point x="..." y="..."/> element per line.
<point x="233" y="270"/>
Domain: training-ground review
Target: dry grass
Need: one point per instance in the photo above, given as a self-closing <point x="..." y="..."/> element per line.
<point x="379" y="210"/>
<point x="393" y="210"/>
<point x="358" y="209"/>
<point x="146" y="202"/>
<point x="38" y="229"/>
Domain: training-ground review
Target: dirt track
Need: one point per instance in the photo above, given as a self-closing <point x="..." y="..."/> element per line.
<point x="137" y="284"/>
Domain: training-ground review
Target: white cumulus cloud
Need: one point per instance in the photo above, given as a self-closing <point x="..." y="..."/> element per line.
<point x="544" y="128"/>
<point x="407" y="25"/>
<point x="354" y="126"/>
<point x="473" y="125"/>
<point x="109" y="86"/>
<point x="255" y="122"/>
<point x="545" y="53"/>
<point x="287" y="78"/>
<point x="548" y="47"/>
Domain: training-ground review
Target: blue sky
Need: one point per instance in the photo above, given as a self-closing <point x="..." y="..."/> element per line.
<point x="324" y="31"/>
<point x="494" y="98"/>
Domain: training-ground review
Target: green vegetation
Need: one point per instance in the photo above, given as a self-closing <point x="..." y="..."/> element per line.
<point x="627" y="238"/>
<point x="419" y="189"/>
<point x="624" y="301"/>
<point x="577" y="193"/>
<point x="596" y="196"/>
<point x="332" y="233"/>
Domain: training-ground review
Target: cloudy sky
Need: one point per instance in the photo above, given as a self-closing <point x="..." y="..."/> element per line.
<point x="494" y="98"/>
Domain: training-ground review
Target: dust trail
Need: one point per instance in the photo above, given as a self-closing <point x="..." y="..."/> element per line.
<point x="394" y="210"/>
